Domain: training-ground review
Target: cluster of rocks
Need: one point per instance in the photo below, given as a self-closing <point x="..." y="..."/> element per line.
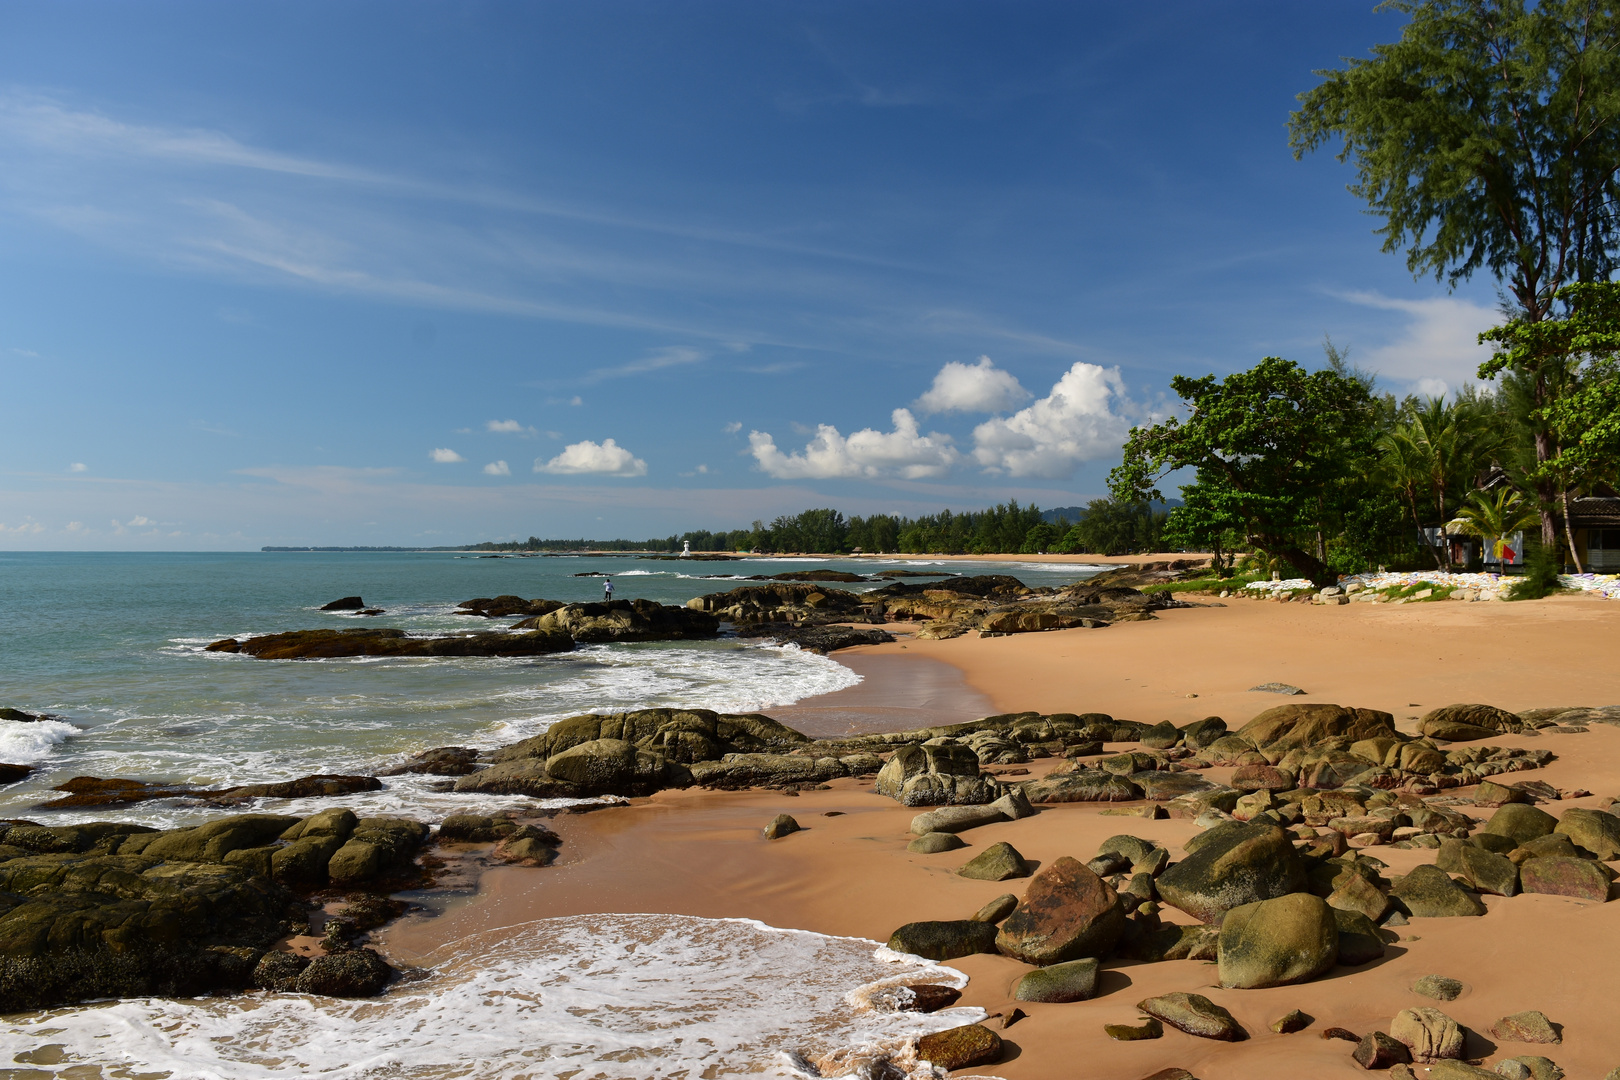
<point x="992" y="604"/>
<point x="116" y="909"/>
<point x="1280" y="883"/>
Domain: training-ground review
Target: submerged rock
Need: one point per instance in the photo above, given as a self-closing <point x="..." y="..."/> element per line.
<point x="818" y="639"/>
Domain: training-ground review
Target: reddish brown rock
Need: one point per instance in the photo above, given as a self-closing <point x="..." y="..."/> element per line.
<point x="1068" y="912"/>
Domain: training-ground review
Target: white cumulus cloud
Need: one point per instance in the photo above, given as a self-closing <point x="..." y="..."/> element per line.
<point x="978" y="387"/>
<point x="508" y="427"/>
<point x="498" y="468"/>
<point x="867" y="454"/>
<point x="605" y="459"/>
<point x="1078" y="421"/>
<point x="1437" y="350"/>
<point x="446" y="456"/>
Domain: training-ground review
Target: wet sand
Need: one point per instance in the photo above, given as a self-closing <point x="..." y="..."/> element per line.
<point x="701" y="853"/>
<point x="897" y="692"/>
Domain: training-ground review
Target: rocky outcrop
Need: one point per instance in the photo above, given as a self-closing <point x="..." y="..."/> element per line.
<point x="624" y="620"/>
<point x="347" y="603"/>
<point x="332" y="644"/>
<point x="818" y="639"/>
<point x="88" y="791"/>
<point x="792" y="603"/>
<point x="1292" y="727"/>
<point x="506" y="606"/>
<point x="440" y="761"/>
<point x="935" y="773"/>
<point x="105" y="909"/>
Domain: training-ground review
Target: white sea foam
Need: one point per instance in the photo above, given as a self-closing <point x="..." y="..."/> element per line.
<point x="598" y="997"/>
<point x="27" y="741"/>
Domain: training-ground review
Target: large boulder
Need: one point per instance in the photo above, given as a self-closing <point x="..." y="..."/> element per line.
<point x="1075" y="980"/>
<point x="683" y="735"/>
<point x="1290" y="727"/>
<point x="1521" y="822"/>
<point x="1596" y="831"/>
<point x="615" y="767"/>
<point x="1360" y="941"/>
<point x="1488" y="717"/>
<point x="1581" y="879"/>
<point x="1068" y="912"/>
<point x="1429" y="893"/>
<point x="1483" y="870"/>
<point x="960" y="1047"/>
<point x="1083" y="785"/>
<point x="944" y="940"/>
<point x="1234" y="864"/>
<point x="935" y="773"/>
<point x="626" y="620"/>
<point x="1290" y="939"/>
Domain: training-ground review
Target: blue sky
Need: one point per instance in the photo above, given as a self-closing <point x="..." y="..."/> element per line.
<point x="429" y="273"/>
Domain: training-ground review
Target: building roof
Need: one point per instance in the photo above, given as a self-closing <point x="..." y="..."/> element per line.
<point x="1595" y="512"/>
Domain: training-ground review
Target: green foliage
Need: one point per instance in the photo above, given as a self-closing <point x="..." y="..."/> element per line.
<point x="1487" y="137"/>
<point x="1112" y="527"/>
<point x="1279" y="455"/>
<point x="1040" y="539"/>
<point x="1434" y="453"/>
<point x="1541" y="570"/>
<point x="1494" y="515"/>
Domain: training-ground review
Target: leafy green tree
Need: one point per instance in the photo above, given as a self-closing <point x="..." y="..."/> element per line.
<point x="1568" y="366"/>
<point x="1494" y="517"/>
<point x="1434" y="453"/>
<point x="1488" y="137"/>
<point x="1040" y="539"/>
<point x="1278" y="453"/>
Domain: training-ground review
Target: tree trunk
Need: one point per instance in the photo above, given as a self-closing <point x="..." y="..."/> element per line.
<point x="1569" y="536"/>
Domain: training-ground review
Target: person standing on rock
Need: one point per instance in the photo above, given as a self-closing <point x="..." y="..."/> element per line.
<point x="607" y="590"/>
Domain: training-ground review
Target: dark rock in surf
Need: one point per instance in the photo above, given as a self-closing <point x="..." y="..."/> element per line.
<point x="353" y="973"/>
<point x="506" y="606"/>
<point x="625" y="620"/>
<point x="10" y="773"/>
<point x="440" y="761"/>
<point x="348" y="603"/>
<point x="818" y="639"/>
<point x="332" y="644"/>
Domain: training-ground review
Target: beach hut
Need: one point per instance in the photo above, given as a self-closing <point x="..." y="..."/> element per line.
<point x="1595" y="522"/>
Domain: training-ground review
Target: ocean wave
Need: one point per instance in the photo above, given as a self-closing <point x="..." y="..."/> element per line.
<point x="614" y="997"/>
<point x="24" y="742"/>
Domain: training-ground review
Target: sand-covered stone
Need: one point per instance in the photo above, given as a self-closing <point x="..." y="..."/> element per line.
<point x="1494" y="720"/>
<point x="781" y="825"/>
<point x="1289" y="939"/>
<point x="1075" y="980"/>
<point x="1438" y="987"/>
<point x="1195" y="1014"/>
<point x="998" y="862"/>
<point x="953" y="819"/>
<point x="1429" y="1033"/>
<point x="1067" y="913"/>
<point x="1531" y="1026"/>
<point x="1231" y="865"/>
<point x="1428" y="892"/>
<point x="1291" y="1021"/>
<point x="1559" y="876"/>
<point x="1148" y="1029"/>
<point x="933" y="843"/>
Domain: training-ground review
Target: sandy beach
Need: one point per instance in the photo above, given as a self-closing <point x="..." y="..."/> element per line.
<point x="700" y="852"/>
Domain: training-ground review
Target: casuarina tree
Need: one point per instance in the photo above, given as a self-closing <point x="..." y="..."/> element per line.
<point x="1487" y="138"/>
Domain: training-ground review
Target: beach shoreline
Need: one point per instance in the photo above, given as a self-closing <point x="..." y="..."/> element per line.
<point x="698" y="852"/>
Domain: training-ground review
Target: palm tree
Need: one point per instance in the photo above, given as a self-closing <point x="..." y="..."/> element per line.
<point x="1442" y="447"/>
<point x="1495" y="519"/>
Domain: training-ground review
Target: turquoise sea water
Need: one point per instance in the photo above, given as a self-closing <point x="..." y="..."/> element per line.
<point x="114" y="643"/>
